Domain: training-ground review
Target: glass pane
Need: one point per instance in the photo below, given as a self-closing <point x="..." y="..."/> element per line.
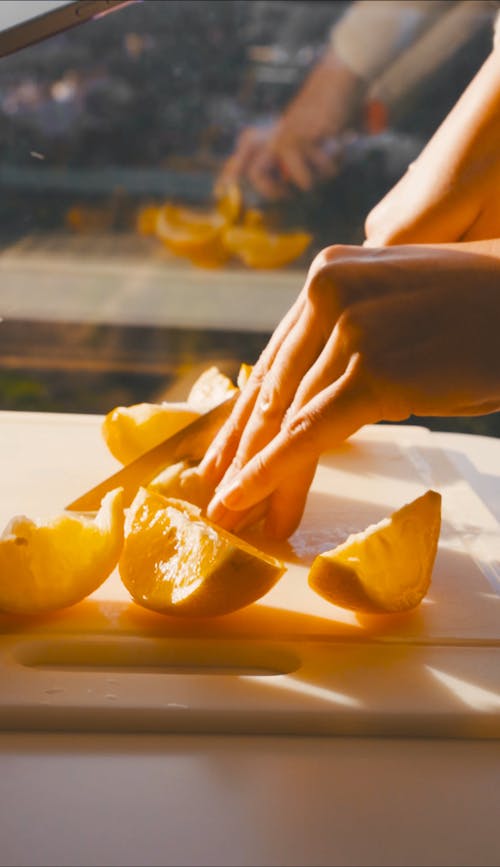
<point x="109" y="128"/>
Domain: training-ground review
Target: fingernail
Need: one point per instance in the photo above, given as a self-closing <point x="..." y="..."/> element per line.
<point x="208" y="458"/>
<point x="216" y="510"/>
<point x="229" y="496"/>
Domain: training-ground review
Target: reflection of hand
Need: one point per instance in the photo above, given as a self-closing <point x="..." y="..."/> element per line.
<point x="292" y="151"/>
<point x="374" y="334"/>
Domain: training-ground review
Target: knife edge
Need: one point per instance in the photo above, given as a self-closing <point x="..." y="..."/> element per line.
<point x="189" y="443"/>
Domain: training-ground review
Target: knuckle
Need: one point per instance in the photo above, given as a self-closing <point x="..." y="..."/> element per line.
<point x="301" y="428"/>
<point x="330" y="276"/>
<point x="349" y="327"/>
<point x="236" y="465"/>
<point x="270" y="404"/>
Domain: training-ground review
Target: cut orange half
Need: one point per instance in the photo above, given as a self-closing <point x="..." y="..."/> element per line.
<point x="387" y="567"/>
<point x="49" y="565"/>
<point x="176" y="562"/>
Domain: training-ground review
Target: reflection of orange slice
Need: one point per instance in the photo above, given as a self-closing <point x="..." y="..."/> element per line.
<point x="386" y="568"/>
<point x="253" y="218"/>
<point x="191" y="233"/>
<point x="146" y="220"/>
<point x="259" y="248"/>
<point x="177" y="562"/>
<point x="49" y="565"/>
<point x="89" y="219"/>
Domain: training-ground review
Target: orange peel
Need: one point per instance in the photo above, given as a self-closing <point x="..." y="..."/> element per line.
<point x="387" y="567"/>
<point x="48" y="565"/>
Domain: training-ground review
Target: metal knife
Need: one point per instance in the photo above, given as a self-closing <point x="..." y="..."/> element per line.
<point x="189" y="443"/>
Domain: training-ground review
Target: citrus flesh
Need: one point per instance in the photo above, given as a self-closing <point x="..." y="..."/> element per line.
<point x="131" y="430"/>
<point x="183" y="482"/>
<point x="176" y="562"/>
<point x="211" y="388"/>
<point x="259" y="248"/>
<point x="49" y="565"/>
<point x="386" y="568"/>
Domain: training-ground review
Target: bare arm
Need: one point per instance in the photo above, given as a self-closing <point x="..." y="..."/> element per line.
<point x="451" y="191"/>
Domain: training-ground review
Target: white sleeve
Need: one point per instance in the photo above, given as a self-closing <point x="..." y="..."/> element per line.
<point x="370" y="35"/>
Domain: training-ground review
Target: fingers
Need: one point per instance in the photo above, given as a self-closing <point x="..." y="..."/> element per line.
<point x="251" y="143"/>
<point x="303" y="163"/>
<point x="265" y="175"/>
<point x="331" y="416"/>
<point x="223" y="448"/>
<point x="286" y="505"/>
<point x="294" y="161"/>
<point x="294" y="357"/>
<point x="328" y="367"/>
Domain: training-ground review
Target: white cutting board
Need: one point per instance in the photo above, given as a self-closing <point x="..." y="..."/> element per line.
<point x="291" y="663"/>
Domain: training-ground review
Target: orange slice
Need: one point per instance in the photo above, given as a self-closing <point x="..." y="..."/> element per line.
<point x="211" y="388"/>
<point x="258" y="248"/>
<point x="386" y="568"/>
<point x="176" y="562"/>
<point x="129" y="431"/>
<point x="49" y="565"/>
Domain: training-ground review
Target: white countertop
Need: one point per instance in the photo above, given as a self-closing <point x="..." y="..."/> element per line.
<point x="229" y="800"/>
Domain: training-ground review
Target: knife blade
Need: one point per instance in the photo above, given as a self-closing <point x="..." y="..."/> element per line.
<point x="189" y="443"/>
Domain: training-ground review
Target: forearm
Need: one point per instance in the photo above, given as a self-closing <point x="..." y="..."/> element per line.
<point x="443" y="192"/>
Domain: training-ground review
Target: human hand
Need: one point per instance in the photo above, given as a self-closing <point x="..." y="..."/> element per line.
<point x="299" y="149"/>
<point x="374" y="335"/>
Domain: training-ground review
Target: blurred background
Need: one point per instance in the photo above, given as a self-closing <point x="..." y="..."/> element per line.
<point x="141" y="108"/>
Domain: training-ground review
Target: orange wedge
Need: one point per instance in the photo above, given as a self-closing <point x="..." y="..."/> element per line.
<point x="176" y="562"/>
<point x="211" y="388"/>
<point x="259" y="248"/>
<point x="386" y="568"/>
<point x="49" y="565"/>
<point x="129" y="431"/>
